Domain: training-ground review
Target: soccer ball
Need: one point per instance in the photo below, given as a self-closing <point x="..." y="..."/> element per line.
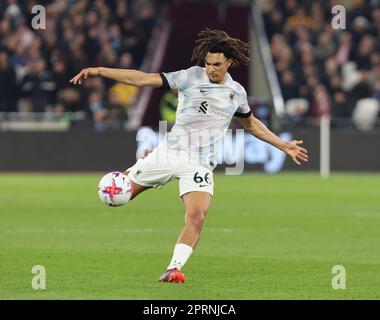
<point x="115" y="189"/>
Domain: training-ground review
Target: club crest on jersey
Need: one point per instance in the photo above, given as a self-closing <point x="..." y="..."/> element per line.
<point x="232" y="95"/>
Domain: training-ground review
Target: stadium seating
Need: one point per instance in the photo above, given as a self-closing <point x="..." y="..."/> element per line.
<point x="308" y="53"/>
<point x="297" y="107"/>
<point x="365" y="113"/>
<point x="36" y="66"/>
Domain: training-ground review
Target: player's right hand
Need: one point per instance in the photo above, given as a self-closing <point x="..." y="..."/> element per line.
<point x="84" y="74"/>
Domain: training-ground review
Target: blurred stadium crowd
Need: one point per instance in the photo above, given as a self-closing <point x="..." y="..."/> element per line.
<point x="36" y="65"/>
<point x="323" y="71"/>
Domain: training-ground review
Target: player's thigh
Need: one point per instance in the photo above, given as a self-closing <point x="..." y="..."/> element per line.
<point x="195" y="178"/>
<point x="137" y="188"/>
<point x="150" y="172"/>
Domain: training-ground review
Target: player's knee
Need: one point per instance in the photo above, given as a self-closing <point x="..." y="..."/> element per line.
<point x="195" y="217"/>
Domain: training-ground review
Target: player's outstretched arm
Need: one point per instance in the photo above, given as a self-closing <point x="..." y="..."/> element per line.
<point x="131" y="77"/>
<point x="260" y="131"/>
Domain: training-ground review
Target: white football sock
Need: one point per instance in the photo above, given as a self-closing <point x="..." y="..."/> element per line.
<point x="181" y="253"/>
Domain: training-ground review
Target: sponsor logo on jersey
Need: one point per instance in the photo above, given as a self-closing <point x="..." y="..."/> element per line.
<point x="206" y="108"/>
<point x="203" y="89"/>
<point x="203" y="107"/>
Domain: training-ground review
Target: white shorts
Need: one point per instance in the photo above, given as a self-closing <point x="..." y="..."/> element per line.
<point x="163" y="165"/>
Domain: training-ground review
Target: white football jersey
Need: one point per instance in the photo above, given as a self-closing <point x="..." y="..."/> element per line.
<point x="204" y="112"/>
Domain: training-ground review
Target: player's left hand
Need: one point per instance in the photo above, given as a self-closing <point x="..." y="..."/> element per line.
<point x="296" y="152"/>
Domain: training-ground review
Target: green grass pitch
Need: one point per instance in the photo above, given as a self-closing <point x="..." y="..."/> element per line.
<point x="265" y="237"/>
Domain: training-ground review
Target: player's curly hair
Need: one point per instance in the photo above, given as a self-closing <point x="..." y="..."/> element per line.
<point x="217" y="41"/>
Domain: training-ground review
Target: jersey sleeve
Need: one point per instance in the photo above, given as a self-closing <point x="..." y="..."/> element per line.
<point x="243" y="111"/>
<point x="179" y="80"/>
